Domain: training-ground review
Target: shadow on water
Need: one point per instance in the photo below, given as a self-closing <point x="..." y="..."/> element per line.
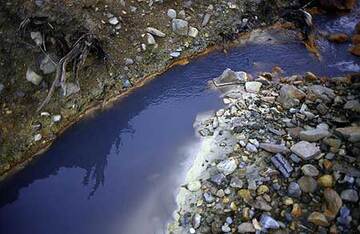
<point x="117" y="172"/>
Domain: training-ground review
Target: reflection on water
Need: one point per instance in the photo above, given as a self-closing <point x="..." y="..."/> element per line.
<point x="118" y="171"/>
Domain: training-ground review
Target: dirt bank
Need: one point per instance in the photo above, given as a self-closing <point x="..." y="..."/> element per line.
<point x="35" y="35"/>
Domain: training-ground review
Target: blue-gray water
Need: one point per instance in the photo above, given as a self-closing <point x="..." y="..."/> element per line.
<point x="117" y="172"/>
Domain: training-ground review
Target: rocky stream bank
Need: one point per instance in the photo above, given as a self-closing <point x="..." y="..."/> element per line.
<point x="282" y="156"/>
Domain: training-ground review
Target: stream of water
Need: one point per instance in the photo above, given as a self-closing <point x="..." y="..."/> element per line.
<point x="118" y="171"/>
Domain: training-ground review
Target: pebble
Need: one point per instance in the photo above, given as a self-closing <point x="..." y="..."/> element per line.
<point x="193" y="32"/>
<point x="194" y="186"/>
<point x="305" y="150"/>
<point x="294" y="190"/>
<point x="227" y="166"/>
<point x="318" y="218"/>
<point x="56" y="118"/>
<point x="350" y="195"/>
<point x="113" y="20"/>
<point x="236" y="182"/>
<point x="307" y="184"/>
<point x="37" y="137"/>
<point x="267" y="222"/>
<point x="333" y="202"/>
<point x="253" y="86"/>
<point x="171" y="13"/>
<point x="273" y="148"/>
<point x="282" y="165"/>
<point x="310" y="170"/>
<point x="251" y="148"/>
<point x="246" y="228"/>
<point x="33" y="77"/>
<point x="155" y="32"/>
<point x="326" y="181"/>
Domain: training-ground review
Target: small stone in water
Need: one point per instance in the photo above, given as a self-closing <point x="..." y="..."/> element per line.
<point x="236" y="182"/>
<point x="175" y="54"/>
<point x="208" y="197"/>
<point x="226" y="228"/>
<point x="307" y="184"/>
<point x="251" y="148"/>
<point x="218" y="178"/>
<point x="344" y="217"/>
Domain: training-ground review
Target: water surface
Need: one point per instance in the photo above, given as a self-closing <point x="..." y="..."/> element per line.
<point x="117" y="172"/>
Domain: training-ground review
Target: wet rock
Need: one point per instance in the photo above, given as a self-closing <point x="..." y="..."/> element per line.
<point x="320" y="92"/>
<point x="290" y="96"/>
<point x="333" y="203"/>
<point x="305" y="150"/>
<point x="155" y="32"/>
<point x="259" y="204"/>
<point x="353" y="105"/>
<point x="294" y="190"/>
<point x="236" y="182"/>
<point x="225" y="228"/>
<point x="171" y="13"/>
<point x="273" y="148"/>
<point x="129" y="61"/>
<point x="180" y="27"/>
<point x="194" y="186"/>
<point x="218" y="178"/>
<point x="227" y="166"/>
<point x="253" y="86"/>
<point x="282" y="165"/>
<point x="33" y="77"/>
<point x="310" y="170"/>
<point x="356" y="39"/>
<point x="267" y="222"/>
<point x="344" y="217"/>
<point x="229" y="77"/>
<point x="338" y="37"/>
<point x="357" y="28"/>
<point x="350" y="133"/>
<point x="326" y="181"/>
<point x="313" y="135"/>
<point x="296" y="211"/>
<point x="310" y="77"/>
<point x="196" y="221"/>
<point x="262" y="189"/>
<point x="307" y="184"/>
<point x="350" y="195"/>
<point x="209" y="198"/>
<point x="355" y="50"/>
<point x="251" y="148"/>
<point x="338" y="4"/>
<point x="193" y="32"/>
<point x="318" y="218"/>
<point x="246" y="228"/>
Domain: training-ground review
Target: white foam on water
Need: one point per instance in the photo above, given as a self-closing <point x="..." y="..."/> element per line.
<point x="347" y="66"/>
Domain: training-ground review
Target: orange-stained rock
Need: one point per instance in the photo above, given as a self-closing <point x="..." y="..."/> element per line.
<point x="356" y="39"/>
<point x="357" y="28"/>
<point x="338" y="37"/>
<point x="338" y="4"/>
<point x="355" y="50"/>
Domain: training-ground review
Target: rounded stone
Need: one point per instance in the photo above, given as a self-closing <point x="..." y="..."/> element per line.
<point x="307" y="184"/>
<point x="310" y="170"/>
<point x="326" y="181"/>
